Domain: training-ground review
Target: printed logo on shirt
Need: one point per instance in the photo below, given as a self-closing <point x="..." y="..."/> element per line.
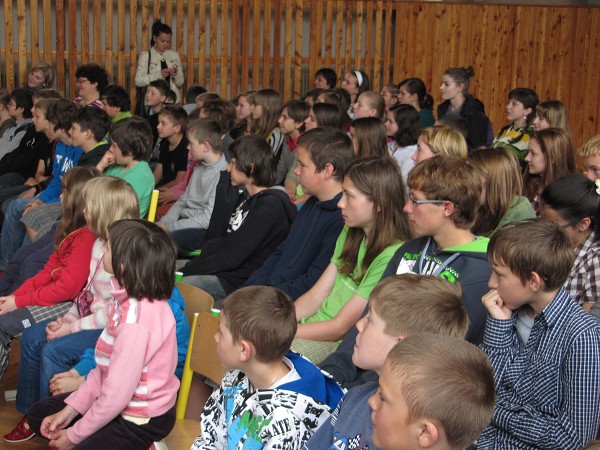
<point x="430" y="266"/>
<point x="237" y="218"/>
<point x="343" y="443"/>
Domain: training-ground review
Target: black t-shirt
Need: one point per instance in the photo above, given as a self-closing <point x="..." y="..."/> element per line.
<point x="172" y="161"/>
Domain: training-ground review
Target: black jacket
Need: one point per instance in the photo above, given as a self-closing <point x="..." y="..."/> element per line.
<point x="255" y="230"/>
<point x="478" y="124"/>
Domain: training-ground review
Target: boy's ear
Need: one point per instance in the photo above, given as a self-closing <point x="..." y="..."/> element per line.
<point x="448" y="209"/>
<point x="583" y="224"/>
<point x="88" y="133"/>
<point x="429" y="434"/>
<point x="247" y="350"/>
<point x="328" y="170"/>
<point x="536" y="283"/>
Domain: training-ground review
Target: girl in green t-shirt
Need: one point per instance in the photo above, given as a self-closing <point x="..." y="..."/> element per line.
<point x="371" y="204"/>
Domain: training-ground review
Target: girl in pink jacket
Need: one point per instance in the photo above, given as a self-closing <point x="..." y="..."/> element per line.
<point x="127" y="401"/>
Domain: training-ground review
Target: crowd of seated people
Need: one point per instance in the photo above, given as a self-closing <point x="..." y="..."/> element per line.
<point x="386" y="277"/>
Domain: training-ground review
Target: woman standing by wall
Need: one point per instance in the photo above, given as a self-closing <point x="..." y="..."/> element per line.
<point x="160" y="62"/>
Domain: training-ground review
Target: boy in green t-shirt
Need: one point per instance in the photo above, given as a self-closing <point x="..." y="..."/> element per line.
<point x="131" y="143"/>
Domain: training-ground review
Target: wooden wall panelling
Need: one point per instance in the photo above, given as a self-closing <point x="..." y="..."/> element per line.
<point x="72" y="46"/>
<point x="224" y="61"/>
<point x="47" y="26"/>
<point x="245" y="43"/>
<point x="60" y="45"/>
<point x="108" y="42"/>
<point x="287" y="44"/>
<point x="267" y="79"/>
<point x="297" y="91"/>
<point x="121" y="43"/>
<point x="278" y="20"/>
<point x="84" y="50"/>
<point x="22" y="39"/>
<point x="133" y="50"/>
<point x="34" y="32"/>
<point x="236" y="45"/>
<point x="213" y="48"/>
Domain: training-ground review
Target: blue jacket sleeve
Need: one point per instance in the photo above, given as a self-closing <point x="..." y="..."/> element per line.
<point x="86" y="363"/>
<point x="177" y="304"/>
<point x="52" y="191"/>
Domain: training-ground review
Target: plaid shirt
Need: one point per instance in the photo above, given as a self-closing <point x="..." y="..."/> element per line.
<point x="548" y="389"/>
<point x="584" y="281"/>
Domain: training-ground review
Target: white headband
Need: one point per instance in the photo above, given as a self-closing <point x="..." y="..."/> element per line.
<point x="359" y="77"/>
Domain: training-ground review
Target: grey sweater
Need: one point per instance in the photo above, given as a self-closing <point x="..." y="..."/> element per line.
<point x="194" y="208"/>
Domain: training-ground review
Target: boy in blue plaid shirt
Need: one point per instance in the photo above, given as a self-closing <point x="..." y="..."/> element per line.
<point x="544" y="348"/>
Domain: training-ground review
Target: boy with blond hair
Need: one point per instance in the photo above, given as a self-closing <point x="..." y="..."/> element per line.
<point x="544" y="348"/>
<point x="400" y="306"/>
<point x="189" y="217"/>
<point x="434" y="392"/>
<point x="589" y="154"/>
<point x="270" y="398"/>
<point x="444" y="196"/>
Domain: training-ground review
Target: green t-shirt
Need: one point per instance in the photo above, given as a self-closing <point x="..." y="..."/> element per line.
<point x="345" y="287"/>
<point x="140" y="177"/>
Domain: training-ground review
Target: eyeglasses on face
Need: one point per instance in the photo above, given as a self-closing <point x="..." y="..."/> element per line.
<point x="414" y="201"/>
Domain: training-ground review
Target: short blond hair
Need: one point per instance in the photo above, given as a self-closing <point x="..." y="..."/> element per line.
<point x="445" y="379"/>
<point x="108" y="199"/>
<point x="410" y="304"/>
<point x="590" y="148"/>
<point x="445" y="140"/>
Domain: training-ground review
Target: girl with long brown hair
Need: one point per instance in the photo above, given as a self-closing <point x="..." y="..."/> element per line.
<point x="501" y="199"/>
<point x="371" y="205"/>
<point x="550" y="157"/>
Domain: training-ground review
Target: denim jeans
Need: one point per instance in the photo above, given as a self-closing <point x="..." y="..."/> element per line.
<point x="188" y="240"/>
<point x="13" y="230"/>
<point x="41" y="359"/>
<point x="11" y="179"/>
<point x="209" y="283"/>
<point x="26" y="263"/>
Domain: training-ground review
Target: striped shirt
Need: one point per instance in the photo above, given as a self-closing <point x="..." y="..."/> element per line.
<point x="100" y="287"/>
<point x="548" y="389"/>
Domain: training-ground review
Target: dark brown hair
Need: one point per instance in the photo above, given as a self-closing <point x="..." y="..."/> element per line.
<point x="328" y="145"/>
<point x="536" y="245"/>
<point x="381" y="182"/>
<point x="143" y="259"/>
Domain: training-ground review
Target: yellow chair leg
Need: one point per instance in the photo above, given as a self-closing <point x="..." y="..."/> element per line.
<point x="186" y="378"/>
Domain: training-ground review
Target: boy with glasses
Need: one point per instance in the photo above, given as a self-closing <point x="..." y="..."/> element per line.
<point x="444" y="194"/>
